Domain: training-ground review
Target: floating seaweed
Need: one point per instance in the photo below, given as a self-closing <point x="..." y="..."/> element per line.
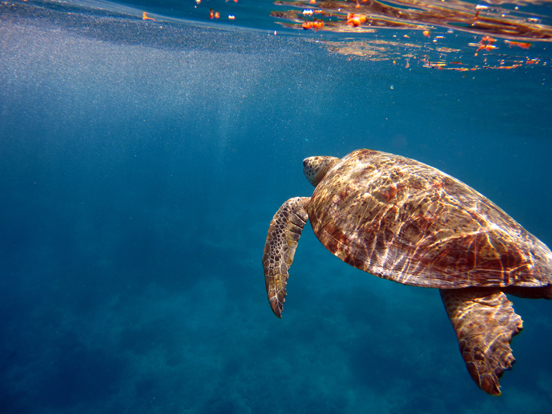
<point x="358" y="16"/>
<point x="435" y="19"/>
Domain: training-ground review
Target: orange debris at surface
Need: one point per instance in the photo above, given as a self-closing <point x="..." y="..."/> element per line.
<point x="145" y="17"/>
<point x="486" y="43"/>
<point x="315" y="24"/>
<point x="518" y="44"/>
<point x="318" y="24"/>
<point x="355" y="20"/>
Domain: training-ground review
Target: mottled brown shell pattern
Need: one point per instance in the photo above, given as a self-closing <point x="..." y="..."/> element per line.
<point x="399" y="219"/>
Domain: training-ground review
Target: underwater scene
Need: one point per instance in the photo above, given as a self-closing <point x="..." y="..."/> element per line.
<point x="145" y="147"/>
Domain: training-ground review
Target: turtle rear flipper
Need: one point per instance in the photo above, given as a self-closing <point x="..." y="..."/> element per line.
<point x="281" y="241"/>
<point x="485" y="323"/>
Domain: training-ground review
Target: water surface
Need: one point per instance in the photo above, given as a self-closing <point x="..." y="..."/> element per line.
<point x="142" y="161"/>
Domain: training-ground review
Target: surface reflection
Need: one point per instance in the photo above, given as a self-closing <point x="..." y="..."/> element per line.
<point x="366" y="15"/>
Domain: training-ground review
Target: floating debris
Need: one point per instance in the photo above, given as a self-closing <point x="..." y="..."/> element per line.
<point x="487" y="43"/>
<point x="145" y="17"/>
<point x="344" y="15"/>
<point x="518" y="44"/>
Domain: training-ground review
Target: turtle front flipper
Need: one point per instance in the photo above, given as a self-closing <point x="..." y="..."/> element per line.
<point x="485" y="323"/>
<point x="281" y="241"/>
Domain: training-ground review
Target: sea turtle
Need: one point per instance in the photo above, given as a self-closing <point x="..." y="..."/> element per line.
<point x="402" y="220"/>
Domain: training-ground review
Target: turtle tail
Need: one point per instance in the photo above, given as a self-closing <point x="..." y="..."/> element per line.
<point x="281" y="242"/>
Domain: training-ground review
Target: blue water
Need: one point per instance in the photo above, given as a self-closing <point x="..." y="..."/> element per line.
<point x="141" y="164"/>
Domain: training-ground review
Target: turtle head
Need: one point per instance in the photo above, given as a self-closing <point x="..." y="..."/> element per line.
<point x="315" y="168"/>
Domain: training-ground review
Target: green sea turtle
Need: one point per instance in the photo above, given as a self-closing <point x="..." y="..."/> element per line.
<point x="402" y="220"/>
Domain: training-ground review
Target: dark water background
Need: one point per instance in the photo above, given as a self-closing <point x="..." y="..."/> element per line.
<point x="139" y="171"/>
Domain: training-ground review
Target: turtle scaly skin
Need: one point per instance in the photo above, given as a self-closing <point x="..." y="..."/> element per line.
<point x="485" y="347"/>
<point x="281" y="241"/>
<point x="402" y="220"/>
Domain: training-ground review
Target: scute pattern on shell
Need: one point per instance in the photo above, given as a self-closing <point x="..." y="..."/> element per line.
<point x="402" y="220"/>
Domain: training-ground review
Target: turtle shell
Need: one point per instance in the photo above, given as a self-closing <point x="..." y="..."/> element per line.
<point x="399" y="219"/>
